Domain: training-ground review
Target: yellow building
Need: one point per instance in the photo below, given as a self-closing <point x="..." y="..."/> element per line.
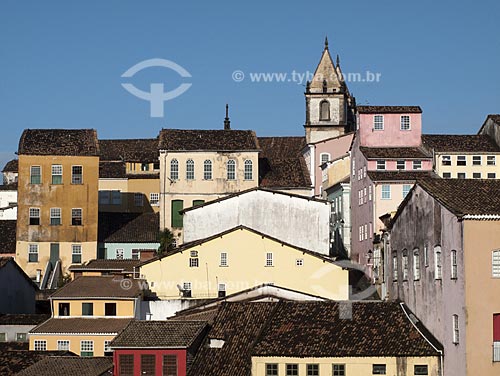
<point x="238" y="259"/>
<point x="57" y="204"/>
<point x="201" y="165"/>
<point x="87" y="314"/>
<point x="316" y="338"/>
<point x="464" y="156"/>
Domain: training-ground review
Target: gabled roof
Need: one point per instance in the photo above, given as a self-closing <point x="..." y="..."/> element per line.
<point x="159" y="334"/>
<point x="105" y="265"/>
<point x="460" y="143"/>
<point x="145" y="228"/>
<point x="70" y="365"/>
<point x="195" y="243"/>
<point x="11" y="166"/>
<point x="4" y="261"/>
<point x="113" y="287"/>
<point x="395" y="153"/>
<point x="130" y="150"/>
<point x="400" y="175"/>
<point x="465" y="197"/>
<point x="252" y="190"/>
<point x="310" y="329"/>
<point x="23" y="319"/>
<point x="8" y="236"/>
<point x="204" y="139"/>
<point x="73" y="325"/>
<point x="68" y="142"/>
<point x="389" y="109"/>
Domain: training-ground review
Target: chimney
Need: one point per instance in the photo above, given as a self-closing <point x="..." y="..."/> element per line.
<point x="227" y="123"/>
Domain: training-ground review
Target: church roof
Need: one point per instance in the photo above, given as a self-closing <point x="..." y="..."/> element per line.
<point x="325" y="71"/>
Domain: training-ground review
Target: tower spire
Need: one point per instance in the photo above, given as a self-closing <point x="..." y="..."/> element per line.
<point x="227" y="122"/>
<point x="326" y="42"/>
<point x="338" y="60"/>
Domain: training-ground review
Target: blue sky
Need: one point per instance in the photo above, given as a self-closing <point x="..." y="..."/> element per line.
<point x="61" y="62"/>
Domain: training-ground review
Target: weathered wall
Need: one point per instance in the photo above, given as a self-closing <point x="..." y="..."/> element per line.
<point x="425" y="224"/>
<point x="11" y="331"/>
<point x="307" y="221"/>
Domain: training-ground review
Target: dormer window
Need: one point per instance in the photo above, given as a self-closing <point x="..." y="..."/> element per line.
<point x="324" y="110"/>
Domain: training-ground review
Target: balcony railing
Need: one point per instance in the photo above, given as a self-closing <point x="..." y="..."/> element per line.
<point x="496" y="351"/>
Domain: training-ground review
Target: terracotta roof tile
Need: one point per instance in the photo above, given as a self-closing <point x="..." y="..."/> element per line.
<point x="81" y="325"/>
<point x="400" y="175"/>
<point x="8" y="236"/>
<point x="100" y="287"/>
<point x="143" y="229"/>
<point x="112" y="170"/>
<point x="215" y="140"/>
<point x="70" y="142"/>
<point x="123" y="266"/>
<point x="11" y="166"/>
<point x="23" y="319"/>
<point x="9" y="187"/>
<point x="389" y="109"/>
<point x="131" y="150"/>
<point x="70" y="365"/>
<point x="109" y="223"/>
<point x="395" y="153"/>
<point x="459" y="143"/>
<point x="164" y="334"/>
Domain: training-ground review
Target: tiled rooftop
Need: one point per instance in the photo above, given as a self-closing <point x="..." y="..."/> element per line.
<point x="400" y="175"/>
<point x="68" y="142"/>
<point x="143" y="229"/>
<point x="11" y="166"/>
<point x="73" y="325"/>
<point x="395" y="153"/>
<point x="70" y="365"/>
<point x="100" y="287"/>
<point x="459" y="143"/>
<point x="389" y="109"/>
<point x="8" y="236"/>
<point x="23" y="319"/>
<point x="132" y="150"/>
<point x="104" y="265"/>
<point x="213" y="140"/>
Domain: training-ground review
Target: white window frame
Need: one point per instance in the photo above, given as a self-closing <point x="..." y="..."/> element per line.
<point x="456" y="329"/>
<point x="269" y="259"/>
<point x="154" y="199"/>
<point x="248" y="169"/>
<point x="404" y="261"/>
<point x="231" y="169"/>
<point x="190" y="169"/>
<point x="416" y="265"/>
<point x="438" y="263"/>
<point x="107" y="348"/>
<point x="405" y="123"/>
<point x="395" y="266"/>
<point x="476" y="175"/>
<point x="75" y="214"/>
<point x="380" y="164"/>
<point x="299" y="262"/>
<point x="34" y="169"/>
<point x="55" y="213"/>
<point x="477" y="160"/>
<point x="454" y="264"/>
<point x="461" y="160"/>
<point x="76" y="178"/>
<point x="207" y="169"/>
<point x="386" y="193"/>
<point x="119" y="254"/>
<point x="369" y="192"/>
<point x="417" y="165"/>
<point x="86" y="345"/>
<point x="495" y="263"/>
<point x="446" y="160"/>
<point x="322" y="158"/>
<point x="40" y="345"/>
<point x="378" y="122"/>
<point x="461" y="175"/>
<point x="174" y="169"/>
<point x="56" y="170"/>
<point x="34" y="213"/>
<point x="32" y="250"/>
<point x="61" y="343"/>
<point x="490" y="160"/>
<point x="223" y="259"/>
<point x="398" y="164"/>
<point x="194" y="262"/>
<point x="76" y="250"/>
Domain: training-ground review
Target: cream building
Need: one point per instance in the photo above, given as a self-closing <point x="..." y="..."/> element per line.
<point x="238" y="259"/>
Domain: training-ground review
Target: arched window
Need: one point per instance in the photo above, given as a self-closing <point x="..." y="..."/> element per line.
<point x="438" y="270"/>
<point x="416" y="265"/>
<point x="405" y="265"/>
<point x="207" y="170"/>
<point x="248" y="170"/>
<point x="324" y="110"/>
<point x="189" y="169"/>
<point x="231" y="169"/>
<point x="174" y="169"/>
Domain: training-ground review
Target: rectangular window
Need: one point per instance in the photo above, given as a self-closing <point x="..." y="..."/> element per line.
<point x="400" y="164"/>
<point x="222" y="290"/>
<point x="461" y="160"/>
<point x="271" y="370"/>
<point x="154" y="199"/>
<point x="426" y="256"/>
<point x="491" y="175"/>
<point x="405" y="123"/>
<point x="446" y="175"/>
<point x="338" y="370"/>
<point x="223" y="259"/>
<point x="495" y="264"/>
<point x="299" y="262"/>
<point x="406" y="189"/>
<point x="109" y="309"/>
<point x="476" y="160"/>
<point x="119" y="253"/>
<point x="144" y="166"/>
<point x="176" y="219"/>
<point x="365" y="195"/>
<point x="3" y="337"/>
<point x="136" y="254"/>
<point x="86" y="348"/>
<point x="454" y="270"/>
<point x="57" y="171"/>
<point x="169" y="365"/>
<point x="21" y="337"/>
<point x="116" y="198"/>
<point x="127" y="365"/>
<point x="87" y="309"/>
<point x="490" y="160"/>
<point x="312" y="370"/>
<point x="461" y="175"/>
<point x="379" y="369"/>
<point x="438" y="273"/>
<point x="186" y="290"/>
<point x="476" y="175"/>
<point x="34" y="216"/>
<point x="63" y="345"/>
<point x="198" y="202"/>
<point x="395" y="267"/>
<point x="446" y="161"/>
<point x="40" y="345"/>
<point x="420" y="370"/>
<point x="64" y="309"/>
<point x="76" y="175"/>
<point x="369" y="193"/>
<point x="378" y="122"/>
<point x="55" y="216"/>
<point x="405" y="266"/>
<point x="36" y="175"/>
<point x="269" y="259"/>
<point x="292" y="370"/>
<point x="138" y="199"/>
<point x="386" y="192"/>
<point x="416" y="265"/>
<point x="364" y="171"/>
<point x="104" y="197"/>
<point x="456" y="331"/>
<point x="417" y="165"/>
<point x="76" y="217"/>
<point x="496" y="337"/>
<point x="380" y="165"/>
<point x="193" y="262"/>
<point x="33" y="253"/>
<point x="76" y="254"/>
<point x="107" y="348"/>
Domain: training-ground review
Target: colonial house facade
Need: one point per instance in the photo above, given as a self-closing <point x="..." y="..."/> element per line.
<point x="443" y="261"/>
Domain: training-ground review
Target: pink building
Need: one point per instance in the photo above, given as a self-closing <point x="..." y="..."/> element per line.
<point x="387" y="158"/>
